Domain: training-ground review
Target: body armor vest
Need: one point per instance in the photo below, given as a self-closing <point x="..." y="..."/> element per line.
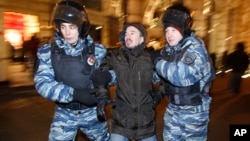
<point x="189" y="95"/>
<point x="73" y="71"/>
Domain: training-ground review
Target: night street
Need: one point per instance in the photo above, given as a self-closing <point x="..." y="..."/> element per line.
<point x="64" y="41"/>
<point x="26" y="116"/>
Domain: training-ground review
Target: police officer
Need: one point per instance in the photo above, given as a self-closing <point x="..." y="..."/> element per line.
<point x="62" y="76"/>
<point x="188" y="72"/>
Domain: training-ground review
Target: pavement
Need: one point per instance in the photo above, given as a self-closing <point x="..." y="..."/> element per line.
<point x="26" y="116"/>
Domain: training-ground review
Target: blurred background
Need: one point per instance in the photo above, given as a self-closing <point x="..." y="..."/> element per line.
<point x="24" y="115"/>
<point x="221" y="23"/>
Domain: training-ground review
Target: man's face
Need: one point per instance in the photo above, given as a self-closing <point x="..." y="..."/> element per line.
<point x="69" y="32"/>
<point x="133" y="37"/>
<point x="173" y="36"/>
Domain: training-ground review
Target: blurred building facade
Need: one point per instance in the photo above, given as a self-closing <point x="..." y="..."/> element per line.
<point x="221" y="23"/>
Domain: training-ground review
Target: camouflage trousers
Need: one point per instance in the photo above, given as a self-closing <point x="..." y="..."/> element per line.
<point x="66" y="123"/>
<point x="187" y="123"/>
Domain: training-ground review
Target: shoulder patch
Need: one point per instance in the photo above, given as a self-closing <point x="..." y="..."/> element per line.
<point x="189" y="58"/>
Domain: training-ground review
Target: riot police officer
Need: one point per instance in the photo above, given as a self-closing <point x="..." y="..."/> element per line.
<point x="188" y="72"/>
<point x="62" y="76"/>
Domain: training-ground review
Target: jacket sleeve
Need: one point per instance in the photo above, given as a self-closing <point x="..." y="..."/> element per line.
<point x="107" y="65"/>
<point x="195" y="65"/>
<point x="100" y="53"/>
<point x="156" y="78"/>
<point x="45" y="82"/>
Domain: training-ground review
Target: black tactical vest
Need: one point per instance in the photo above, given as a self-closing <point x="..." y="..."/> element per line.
<point x="188" y="95"/>
<point x="72" y="70"/>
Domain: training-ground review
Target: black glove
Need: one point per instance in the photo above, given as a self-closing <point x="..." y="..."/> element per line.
<point x="100" y="78"/>
<point x="103" y="99"/>
<point x="156" y="95"/>
<point x="155" y="56"/>
<point x="85" y="96"/>
<point x="101" y="115"/>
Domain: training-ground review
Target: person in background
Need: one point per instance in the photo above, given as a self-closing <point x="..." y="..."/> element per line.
<point x="131" y="70"/>
<point x="224" y="63"/>
<point x="188" y="72"/>
<point x="213" y="58"/>
<point x="62" y="76"/>
<point x="11" y="50"/>
<point x="30" y="49"/>
<point x="238" y="61"/>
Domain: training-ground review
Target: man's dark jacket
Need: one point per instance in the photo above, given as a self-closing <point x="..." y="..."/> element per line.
<point x="133" y="115"/>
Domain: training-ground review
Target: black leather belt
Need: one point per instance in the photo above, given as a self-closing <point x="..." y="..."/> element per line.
<point x="73" y="105"/>
<point x="182" y="101"/>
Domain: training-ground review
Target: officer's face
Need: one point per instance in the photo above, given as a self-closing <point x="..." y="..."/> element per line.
<point x="133" y="37"/>
<point x="173" y="36"/>
<point x="70" y="32"/>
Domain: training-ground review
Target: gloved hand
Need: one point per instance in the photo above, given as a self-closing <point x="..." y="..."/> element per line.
<point x="85" y="96"/>
<point x="100" y="78"/>
<point x="156" y="95"/>
<point x="101" y="115"/>
<point x="102" y="96"/>
<point x="155" y="56"/>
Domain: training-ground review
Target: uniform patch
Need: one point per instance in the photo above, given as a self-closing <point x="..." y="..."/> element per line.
<point x="189" y="58"/>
